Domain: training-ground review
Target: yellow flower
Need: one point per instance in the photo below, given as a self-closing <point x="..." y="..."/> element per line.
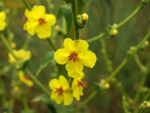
<point x="61" y="91"/>
<point x="75" y="55"/>
<point x="37" y="21"/>
<point x="85" y="17"/>
<point x="77" y="87"/>
<point x="21" y="54"/>
<point x="25" y="79"/>
<point x="2" y="21"/>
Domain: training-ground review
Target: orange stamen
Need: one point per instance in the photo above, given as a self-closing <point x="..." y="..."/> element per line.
<point x="73" y="56"/>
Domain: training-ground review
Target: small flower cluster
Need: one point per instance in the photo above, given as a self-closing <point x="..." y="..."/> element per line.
<point x="62" y="92"/>
<point x="37" y="21"/>
<point x="74" y="55"/>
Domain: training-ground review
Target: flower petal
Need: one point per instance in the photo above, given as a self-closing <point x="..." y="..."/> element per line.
<point x="74" y="69"/>
<point x="50" y="19"/>
<point x="61" y="56"/>
<point x="43" y="31"/>
<point x="69" y="44"/>
<point x="63" y="81"/>
<point x="68" y="98"/>
<point x="87" y="58"/>
<point x="2" y="16"/>
<point x="80" y="46"/>
<point x="31" y="27"/>
<point x="57" y="98"/>
<point x="76" y="93"/>
<point x="54" y="83"/>
<point x="38" y="11"/>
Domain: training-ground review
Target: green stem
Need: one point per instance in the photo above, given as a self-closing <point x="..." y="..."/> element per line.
<point x="37" y="82"/>
<point x="51" y="44"/>
<point x="25" y="104"/>
<point x="26" y="4"/>
<point x="142" y="82"/>
<point x="28" y="71"/>
<point x="86" y="101"/>
<point x="142" y="67"/>
<point x="108" y="62"/>
<point x="7" y="45"/>
<point x="101" y="35"/>
<point x="138" y="8"/>
<point x="74" y="14"/>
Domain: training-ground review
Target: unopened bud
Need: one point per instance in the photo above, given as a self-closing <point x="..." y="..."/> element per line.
<point x="132" y="48"/>
<point x="146" y="43"/>
<point x="85" y="17"/>
<point x="114" y="32"/>
<point x="13" y="45"/>
<point x="57" y="28"/>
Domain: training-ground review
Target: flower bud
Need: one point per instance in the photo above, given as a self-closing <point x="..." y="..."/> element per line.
<point x="114" y="32"/>
<point x="85" y="17"/>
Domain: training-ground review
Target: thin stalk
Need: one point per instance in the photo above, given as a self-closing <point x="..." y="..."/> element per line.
<point x="142" y="67"/>
<point x="26" y="4"/>
<point x="74" y="15"/>
<point x="37" y="82"/>
<point x="86" y="101"/>
<point x="51" y="44"/>
<point x="137" y="9"/>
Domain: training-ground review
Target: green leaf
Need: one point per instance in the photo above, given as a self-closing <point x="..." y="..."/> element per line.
<point x="82" y="4"/>
<point x="67" y="13"/>
<point x="46" y="100"/>
<point x="46" y="60"/>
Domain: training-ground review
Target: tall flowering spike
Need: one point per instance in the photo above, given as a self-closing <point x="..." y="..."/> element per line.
<point x="25" y="79"/>
<point x="77" y="87"/>
<point x="75" y="55"/>
<point x="61" y="91"/>
<point x="38" y="21"/>
<point x="22" y="55"/>
<point x="2" y="21"/>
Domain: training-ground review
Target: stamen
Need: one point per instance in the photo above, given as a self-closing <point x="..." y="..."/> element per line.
<point x="24" y="18"/>
<point x="42" y="21"/>
<point x="59" y="90"/>
<point x="82" y="83"/>
<point x="26" y="77"/>
<point x="73" y="56"/>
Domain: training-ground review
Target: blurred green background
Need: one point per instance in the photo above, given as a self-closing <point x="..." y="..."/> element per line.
<point x="101" y="14"/>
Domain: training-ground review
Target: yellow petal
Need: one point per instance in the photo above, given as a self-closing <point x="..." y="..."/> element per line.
<point x="43" y="31"/>
<point x="57" y="98"/>
<point x="54" y="83"/>
<point x="29" y="83"/>
<point x="69" y="44"/>
<point x="50" y="19"/>
<point x="61" y="56"/>
<point x="68" y="98"/>
<point x="76" y="93"/>
<point x="74" y="69"/>
<point x="87" y="58"/>
<point x="38" y="11"/>
<point x="63" y="81"/>
<point x="81" y="46"/>
<point x="2" y="16"/>
<point x="2" y="26"/>
<point x="31" y="27"/>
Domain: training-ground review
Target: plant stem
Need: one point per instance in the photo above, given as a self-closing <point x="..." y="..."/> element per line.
<point x="51" y="44"/>
<point x="142" y="67"/>
<point x="7" y="45"/>
<point x="28" y="71"/>
<point x="86" y="101"/>
<point x="101" y="35"/>
<point x="26" y="4"/>
<point x="36" y="81"/>
<point x="74" y="14"/>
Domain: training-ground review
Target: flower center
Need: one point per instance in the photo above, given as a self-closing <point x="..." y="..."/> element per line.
<point x="82" y="83"/>
<point x="73" y="56"/>
<point x="26" y="77"/>
<point x="42" y="21"/>
<point x="25" y="18"/>
<point x="59" y="90"/>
